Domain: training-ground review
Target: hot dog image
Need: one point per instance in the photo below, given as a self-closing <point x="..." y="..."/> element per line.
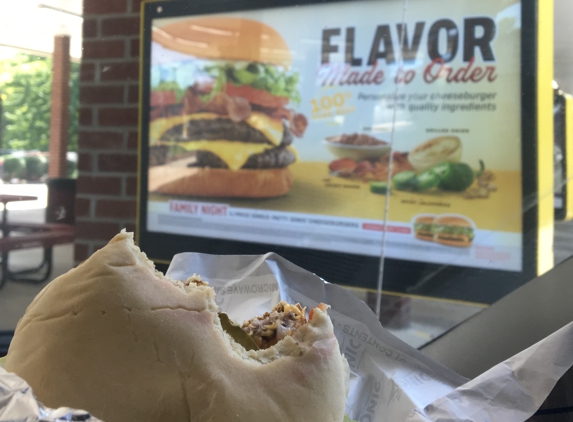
<point x="117" y="338"/>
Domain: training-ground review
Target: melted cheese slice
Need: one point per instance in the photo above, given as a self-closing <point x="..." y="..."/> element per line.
<point x="234" y="154"/>
<point x="272" y="128"/>
<point x="293" y="151"/>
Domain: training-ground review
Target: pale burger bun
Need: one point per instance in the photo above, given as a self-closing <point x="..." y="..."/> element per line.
<point x="424" y="227"/>
<point x="228" y="38"/>
<point x="122" y="341"/>
<point x="453" y="231"/>
<point x="220" y="182"/>
<point x="228" y="132"/>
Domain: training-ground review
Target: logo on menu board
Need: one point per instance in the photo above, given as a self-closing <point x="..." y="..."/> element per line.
<point x="478" y="35"/>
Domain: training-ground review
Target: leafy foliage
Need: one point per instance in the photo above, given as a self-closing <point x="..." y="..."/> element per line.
<point x="36" y="166"/>
<point x="14" y="167"/>
<point x="25" y="90"/>
<point x="30" y="167"/>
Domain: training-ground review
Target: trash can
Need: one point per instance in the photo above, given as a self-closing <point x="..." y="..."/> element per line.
<point x="61" y="200"/>
<point x="5" y="339"/>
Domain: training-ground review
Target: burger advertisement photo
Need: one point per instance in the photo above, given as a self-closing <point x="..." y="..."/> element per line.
<point x="229" y="133"/>
<point x="261" y="130"/>
<point x="448" y="230"/>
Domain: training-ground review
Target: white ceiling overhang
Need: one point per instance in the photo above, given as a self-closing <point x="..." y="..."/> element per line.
<point x="31" y="25"/>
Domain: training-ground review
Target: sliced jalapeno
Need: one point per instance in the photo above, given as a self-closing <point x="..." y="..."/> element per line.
<point x="427" y="180"/>
<point x="405" y="180"/>
<point x="379" y="187"/>
<point x="442" y="170"/>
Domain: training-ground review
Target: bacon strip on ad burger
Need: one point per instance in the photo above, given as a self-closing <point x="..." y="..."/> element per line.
<point x="229" y="133"/>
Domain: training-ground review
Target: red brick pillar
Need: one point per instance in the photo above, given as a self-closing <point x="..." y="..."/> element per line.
<point x="108" y="139"/>
<point x="60" y="111"/>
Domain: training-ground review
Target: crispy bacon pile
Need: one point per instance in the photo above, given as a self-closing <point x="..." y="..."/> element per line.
<point x="360" y="139"/>
<point x="236" y="102"/>
<point x="368" y="170"/>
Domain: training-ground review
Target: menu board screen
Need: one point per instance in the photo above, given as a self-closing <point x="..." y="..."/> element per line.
<point x="294" y="126"/>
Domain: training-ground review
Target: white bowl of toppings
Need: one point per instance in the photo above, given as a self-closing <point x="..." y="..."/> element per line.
<point x="357" y="146"/>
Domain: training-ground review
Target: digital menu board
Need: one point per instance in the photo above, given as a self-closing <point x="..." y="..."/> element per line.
<point x="304" y="127"/>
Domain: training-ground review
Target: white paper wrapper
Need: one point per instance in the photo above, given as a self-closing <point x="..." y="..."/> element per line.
<point x="390" y="381"/>
<point x="18" y="404"/>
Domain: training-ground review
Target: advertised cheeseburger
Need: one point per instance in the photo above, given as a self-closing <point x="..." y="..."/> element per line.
<point x="228" y="132"/>
<point x="119" y="339"/>
<point x="453" y="231"/>
<point x="424" y="227"/>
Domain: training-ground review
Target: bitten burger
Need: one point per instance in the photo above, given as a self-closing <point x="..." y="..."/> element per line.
<point x="117" y="338"/>
<point x="229" y="134"/>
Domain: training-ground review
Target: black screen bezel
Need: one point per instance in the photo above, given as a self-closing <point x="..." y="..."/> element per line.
<point x="408" y="277"/>
<point x="559" y="99"/>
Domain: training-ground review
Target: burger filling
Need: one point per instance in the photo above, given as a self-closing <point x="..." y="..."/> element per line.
<point x="267" y="330"/>
<point x="234" y="116"/>
<point x="455" y="233"/>
<point x="221" y="128"/>
<point x="271" y="158"/>
<point x="279" y="86"/>
<point x="424" y="229"/>
<point x="273" y="326"/>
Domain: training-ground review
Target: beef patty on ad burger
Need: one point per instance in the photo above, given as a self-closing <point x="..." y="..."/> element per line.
<point x="229" y="133"/>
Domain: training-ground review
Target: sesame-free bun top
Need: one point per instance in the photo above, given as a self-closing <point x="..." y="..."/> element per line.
<point x="425" y="219"/>
<point x="451" y="220"/>
<point x="225" y="38"/>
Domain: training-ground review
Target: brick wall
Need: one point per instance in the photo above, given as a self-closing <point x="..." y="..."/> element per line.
<point x="107" y="150"/>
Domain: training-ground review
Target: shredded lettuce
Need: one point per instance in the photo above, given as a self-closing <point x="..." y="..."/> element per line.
<point x="257" y="75"/>
<point x="427" y="227"/>
<point x="455" y="230"/>
<point x="219" y="84"/>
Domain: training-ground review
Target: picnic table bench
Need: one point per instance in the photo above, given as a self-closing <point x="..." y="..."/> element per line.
<point x="25" y="237"/>
<point x="18" y="236"/>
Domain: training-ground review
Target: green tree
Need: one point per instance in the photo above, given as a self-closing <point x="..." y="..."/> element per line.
<point x="25" y="86"/>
